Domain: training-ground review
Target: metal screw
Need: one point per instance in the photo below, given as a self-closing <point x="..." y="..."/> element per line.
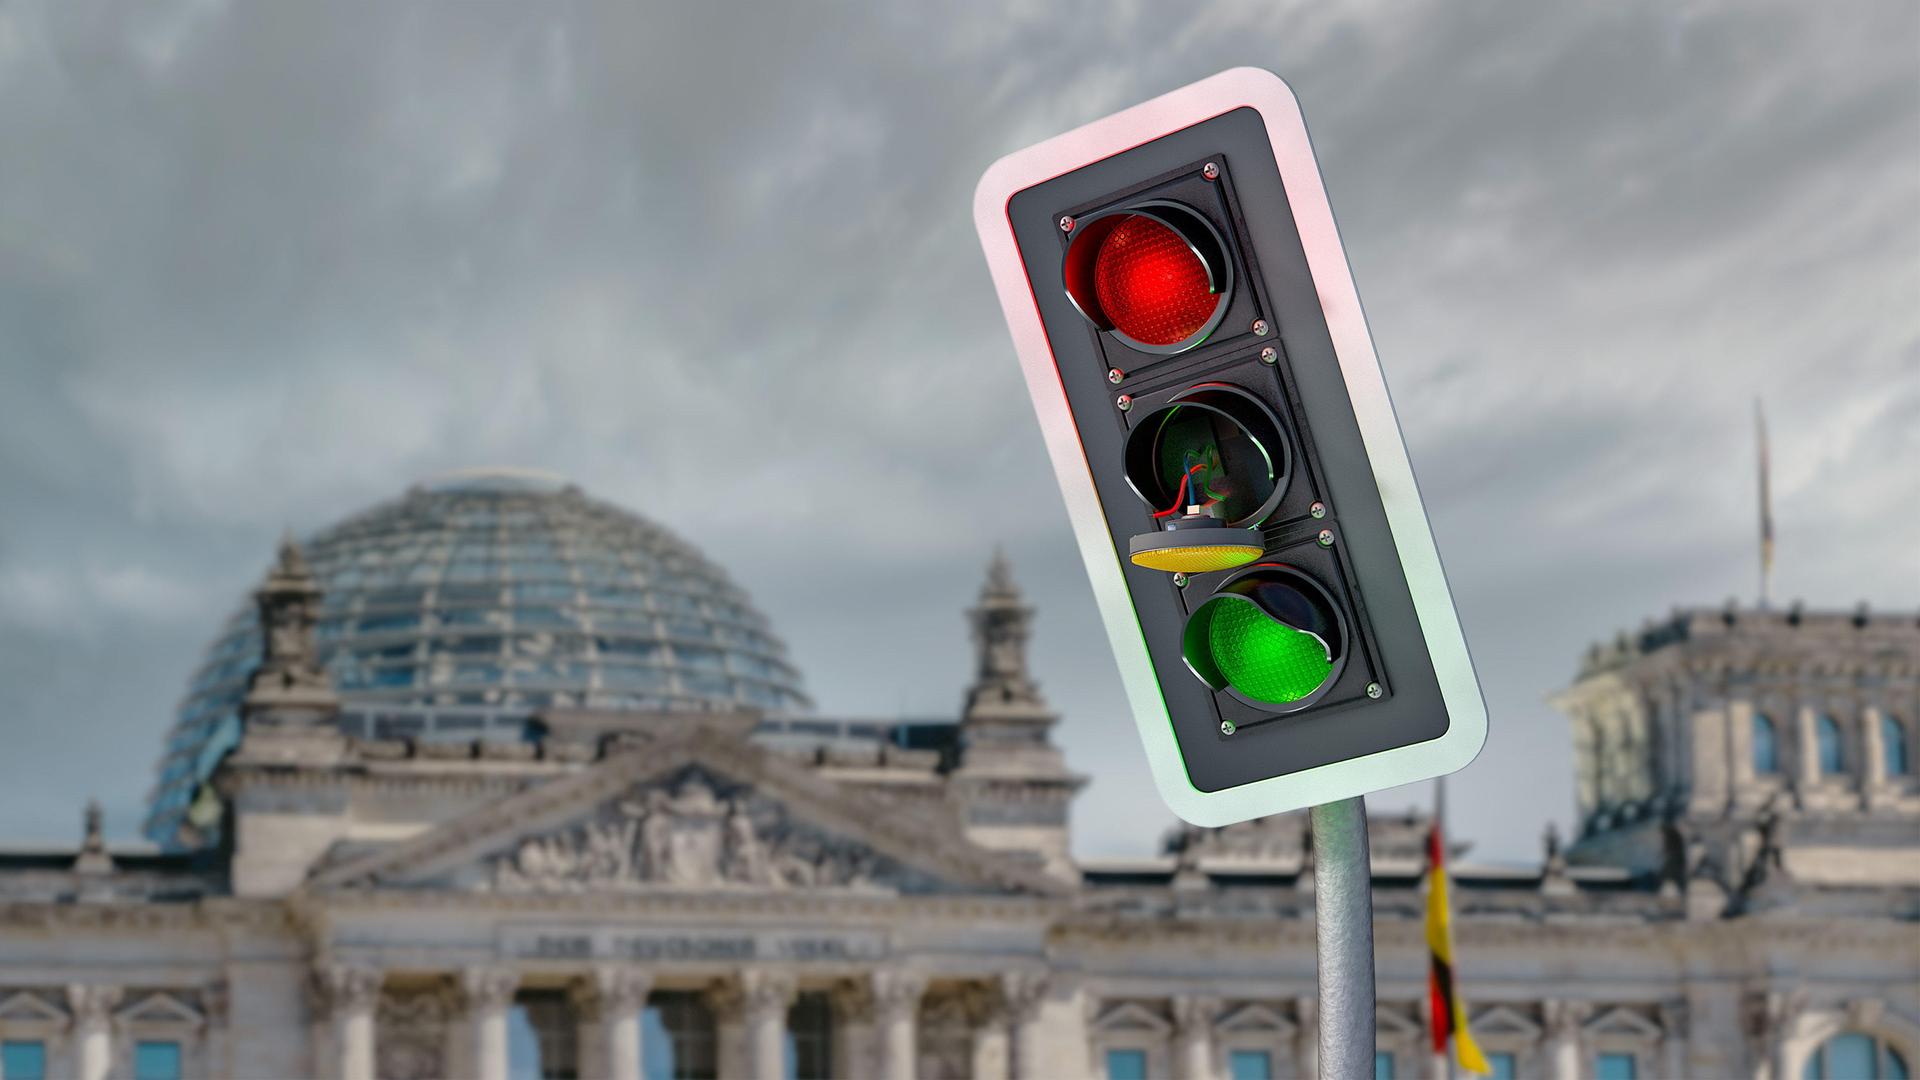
<point x="1180" y="580"/>
<point x="1226" y="727"/>
<point x="1260" y="328"/>
<point x="1269" y="355"/>
<point x="1211" y="170"/>
<point x="1373" y="690"/>
<point x="1066" y="223"/>
<point x="1114" y="375"/>
<point x="1318" y="510"/>
<point x="1326" y="537"/>
<point x="1125" y="401"/>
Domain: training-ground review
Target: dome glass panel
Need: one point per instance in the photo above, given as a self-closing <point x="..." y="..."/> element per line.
<point x="469" y="604"/>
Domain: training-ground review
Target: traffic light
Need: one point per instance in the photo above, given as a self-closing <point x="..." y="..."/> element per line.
<point x="1195" y="349"/>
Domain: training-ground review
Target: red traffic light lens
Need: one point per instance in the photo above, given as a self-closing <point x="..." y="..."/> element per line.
<point x="1154" y="275"/>
<point x="1152" y="283"/>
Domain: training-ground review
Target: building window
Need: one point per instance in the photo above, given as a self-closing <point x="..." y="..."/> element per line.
<point x="677" y="1037"/>
<point x="1616" y="1067"/>
<point x="156" y="1061"/>
<point x="542" y="1040"/>
<point x="810" y="1037"/>
<point x="1827" y="737"/>
<point x="1766" y="747"/>
<point x="1893" y="744"/>
<point x="1382" y="1065"/>
<point x="1504" y="1066"/>
<point x="23" y="1060"/>
<point x="1855" y="1056"/>
<point x="1126" y="1065"/>
<point x="1250" y="1065"/>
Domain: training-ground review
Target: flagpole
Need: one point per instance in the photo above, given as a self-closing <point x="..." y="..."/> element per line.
<point x="1766" y="508"/>
<point x="1343" y="931"/>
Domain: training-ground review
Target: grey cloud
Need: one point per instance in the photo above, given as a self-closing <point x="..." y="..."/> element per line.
<point x="262" y="265"/>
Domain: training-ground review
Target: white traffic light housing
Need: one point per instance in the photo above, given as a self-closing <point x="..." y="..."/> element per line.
<point x="1196" y="353"/>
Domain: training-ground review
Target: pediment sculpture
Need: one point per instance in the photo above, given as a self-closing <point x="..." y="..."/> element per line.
<point x="692" y="834"/>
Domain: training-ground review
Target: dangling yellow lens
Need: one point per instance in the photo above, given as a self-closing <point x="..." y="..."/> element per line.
<point x="1197" y="560"/>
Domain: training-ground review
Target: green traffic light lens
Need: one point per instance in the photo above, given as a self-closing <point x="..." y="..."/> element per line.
<point x="1271" y="637"/>
<point x="1263" y="658"/>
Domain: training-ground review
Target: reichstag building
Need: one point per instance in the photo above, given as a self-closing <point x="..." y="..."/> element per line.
<point x="497" y="780"/>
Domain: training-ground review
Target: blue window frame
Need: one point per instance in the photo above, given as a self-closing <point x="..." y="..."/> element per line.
<point x="1766" y="746"/>
<point x="1126" y="1065"/>
<point x="156" y="1061"/>
<point x="1382" y="1065"/>
<point x="23" y="1060"/>
<point x="1855" y="1056"/>
<point x="1893" y="745"/>
<point x="1616" y="1067"/>
<point x="1833" y="761"/>
<point x="1250" y="1065"/>
<point x="1504" y="1066"/>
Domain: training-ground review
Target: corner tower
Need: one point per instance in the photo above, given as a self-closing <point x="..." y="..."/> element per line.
<point x="1716" y="740"/>
<point x="1011" y="783"/>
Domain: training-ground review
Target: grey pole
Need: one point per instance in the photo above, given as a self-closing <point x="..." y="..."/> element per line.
<point x="1343" y="927"/>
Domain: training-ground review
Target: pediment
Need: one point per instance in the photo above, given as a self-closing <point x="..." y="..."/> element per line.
<point x="28" y="1007"/>
<point x="695" y="813"/>
<point x="1504" y="1021"/>
<point x="1256" y="1017"/>
<point x="159" y="1008"/>
<point x="1619" y="1021"/>
<point x="1132" y="1016"/>
<point x="1395" y="1023"/>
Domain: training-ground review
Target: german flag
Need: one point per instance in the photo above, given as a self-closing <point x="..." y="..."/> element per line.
<point x="1448" y="1010"/>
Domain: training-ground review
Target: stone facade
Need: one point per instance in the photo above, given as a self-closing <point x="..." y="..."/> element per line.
<point x="629" y="884"/>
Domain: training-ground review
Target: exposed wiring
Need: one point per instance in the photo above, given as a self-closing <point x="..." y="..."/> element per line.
<point x="1180" y="493"/>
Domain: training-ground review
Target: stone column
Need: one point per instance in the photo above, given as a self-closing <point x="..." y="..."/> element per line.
<point x="1774" y="1018"/>
<point x="219" y="1044"/>
<point x="1564" y="1038"/>
<point x="853" y="1049"/>
<point x="349" y="993"/>
<point x="766" y="996"/>
<point x="1873" y="759"/>
<point x="1673" y="1039"/>
<point x="489" y="994"/>
<point x="896" y="1000"/>
<point x="1025" y="993"/>
<point x="991" y="1048"/>
<point x="92" y="1008"/>
<point x="1807" y="753"/>
<point x="1193" y="1036"/>
<point x="609" y="1003"/>
<point x="1306" y="1035"/>
<point x="727" y="1001"/>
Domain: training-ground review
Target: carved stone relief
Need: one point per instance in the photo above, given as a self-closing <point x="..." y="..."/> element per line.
<point x="411" y="1038"/>
<point x="695" y="832"/>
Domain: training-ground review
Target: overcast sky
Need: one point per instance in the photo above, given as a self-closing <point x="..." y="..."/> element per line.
<point x="264" y="264"/>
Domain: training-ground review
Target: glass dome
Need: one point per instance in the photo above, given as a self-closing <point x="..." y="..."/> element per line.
<point x="474" y="601"/>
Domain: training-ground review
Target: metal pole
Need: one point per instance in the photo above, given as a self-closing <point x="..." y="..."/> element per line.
<point x="1343" y="927"/>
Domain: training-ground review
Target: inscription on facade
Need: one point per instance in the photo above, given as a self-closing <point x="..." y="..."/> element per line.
<point x="690" y="945"/>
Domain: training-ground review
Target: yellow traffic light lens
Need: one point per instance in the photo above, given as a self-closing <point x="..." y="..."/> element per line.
<point x="1197" y="560"/>
<point x="1263" y="658"/>
<point x="1195" y="550"/>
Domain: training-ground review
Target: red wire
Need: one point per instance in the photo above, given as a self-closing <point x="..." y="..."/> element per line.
<point x="1180" y="493"/>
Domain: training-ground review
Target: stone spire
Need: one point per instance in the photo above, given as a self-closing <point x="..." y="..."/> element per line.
<point x="289" y="672"/>
<point x="1553" y="865"/>
<point x="290" y="709"/>
<point x="93" y="846"/>
<point x="1002" y="622"/>
<point x="1011" y="782"/>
